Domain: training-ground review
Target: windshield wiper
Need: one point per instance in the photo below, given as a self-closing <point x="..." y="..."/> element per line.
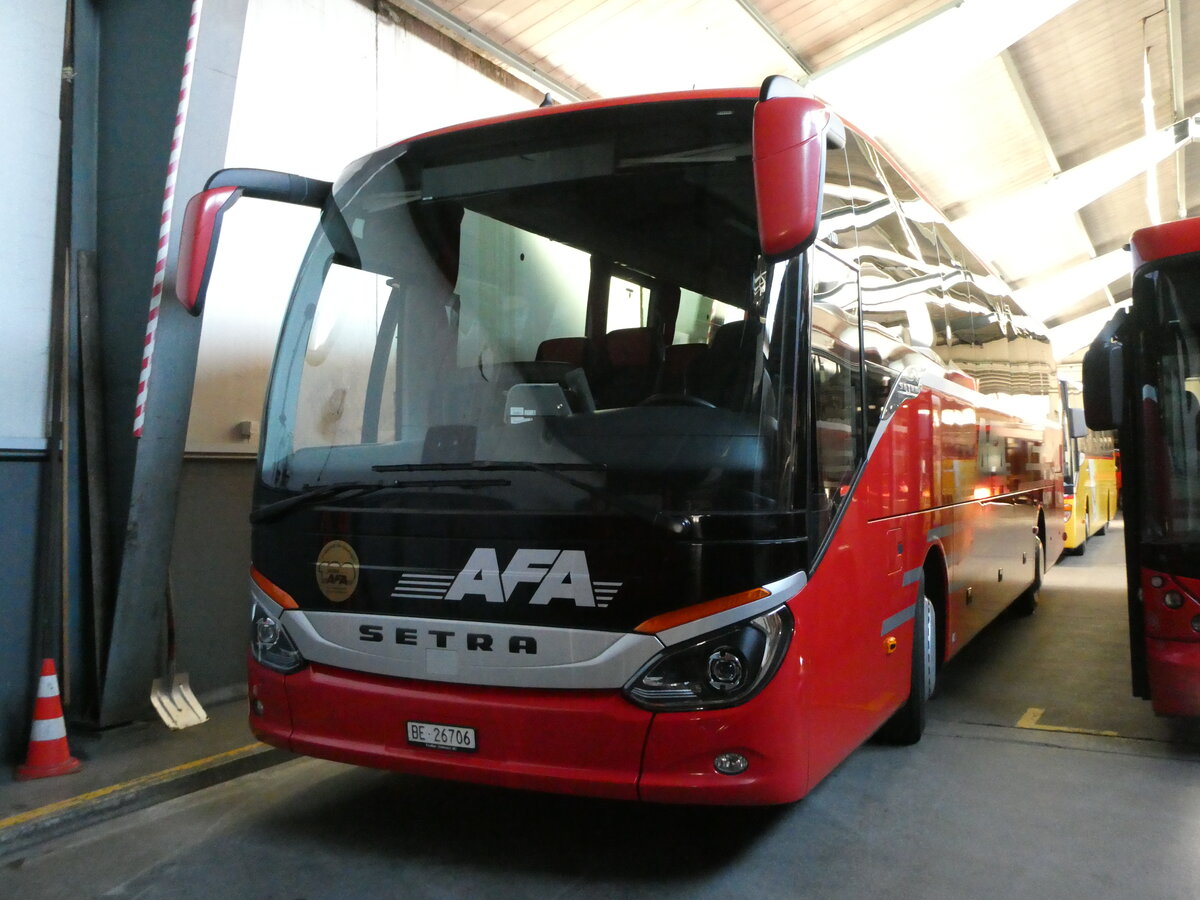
<point x="316" y="494"/>
<point x="673" y="524"/>
<point x="484" y="465"/>
<point x="346" y="490"/>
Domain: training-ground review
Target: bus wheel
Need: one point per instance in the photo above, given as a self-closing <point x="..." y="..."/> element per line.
<point x="1103" y="529"/>
<point x="1087" y="529"/>
<point x="907" y="724"/>
<point x="1028" y="601"/>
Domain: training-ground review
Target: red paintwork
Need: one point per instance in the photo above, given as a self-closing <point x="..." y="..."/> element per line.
<point x="1164" y="241"/>
<point x="197" y="244"/>
<point x="578" y="742"/>
<point x="789" y="139"/>
<point x="1174" y="669"/>
<point x="708" y="94"/>
<point x="1172" y="645"/>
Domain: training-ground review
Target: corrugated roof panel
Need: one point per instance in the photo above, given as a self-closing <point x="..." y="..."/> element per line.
<point x="824" y="33"/>
<point x="1083" y="70"/>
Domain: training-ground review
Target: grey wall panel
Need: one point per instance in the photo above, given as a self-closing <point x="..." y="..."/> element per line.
<point x="210" y="571"/>
<point x="19" y="485"/>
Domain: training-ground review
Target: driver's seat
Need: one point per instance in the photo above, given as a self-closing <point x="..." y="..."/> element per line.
<point x="725" y="375"/>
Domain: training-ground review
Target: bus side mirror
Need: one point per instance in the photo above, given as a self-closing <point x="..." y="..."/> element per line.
<point x="202" y="220"/>
<point x="198" y="245"/>
<point x="1103" y="385"/>
<point x="790" y="133"/>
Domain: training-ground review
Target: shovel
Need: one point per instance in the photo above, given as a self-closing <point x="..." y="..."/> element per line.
<point x="172" y="695"/>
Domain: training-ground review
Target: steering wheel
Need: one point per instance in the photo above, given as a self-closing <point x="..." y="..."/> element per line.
<point x="677" y="400"/>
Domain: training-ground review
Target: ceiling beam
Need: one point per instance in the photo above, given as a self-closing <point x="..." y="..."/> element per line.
<point x="878" y="84"/>
<point x="751" y="9"/>
<point x="1049" y="296"/>
<point x="427" y="12"/>
<point x="1036" y="302"/>
<point x="1075" y="188"/>
<point x="1175" y="57"/>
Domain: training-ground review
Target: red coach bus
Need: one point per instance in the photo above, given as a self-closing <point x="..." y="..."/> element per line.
<point x="1142" y="373"/>
<point x="660" y="448"/>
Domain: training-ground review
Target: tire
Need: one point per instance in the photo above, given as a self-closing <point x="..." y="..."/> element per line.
<point x="907" y="724"/>
<point x="1103" y="529"/>
<point x="1087" y="527"/>
<point x="1025" y="604"/>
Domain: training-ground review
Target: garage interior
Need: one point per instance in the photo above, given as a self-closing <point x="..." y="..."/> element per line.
<point x="1046" y="131"/>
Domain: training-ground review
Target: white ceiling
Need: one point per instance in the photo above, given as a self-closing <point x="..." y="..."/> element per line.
<point x="1023" y="120"/>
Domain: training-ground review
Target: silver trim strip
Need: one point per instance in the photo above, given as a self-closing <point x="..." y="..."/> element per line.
<point x="912" y="576"/>
<point x="942" y="531"/>
<point x="891" y="623"/>
<point x="270" y="607"/>
<point x="781" y="591"/>
<point x="565" y="658"/>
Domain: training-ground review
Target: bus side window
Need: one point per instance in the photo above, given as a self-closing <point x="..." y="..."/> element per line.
<point x="879" y="385"/>
<point x="835" y="405"/>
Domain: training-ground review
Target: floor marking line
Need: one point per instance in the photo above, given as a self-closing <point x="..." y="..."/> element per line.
<point x="1032" y="720"/>
<point x="141" y="781"/>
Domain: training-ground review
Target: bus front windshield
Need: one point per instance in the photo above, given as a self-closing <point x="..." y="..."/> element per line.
<point x="564" y="313"/>
<point x="1170" y="398"/>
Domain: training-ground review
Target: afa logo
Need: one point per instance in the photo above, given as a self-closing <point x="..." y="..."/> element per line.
<point x="537" y="577"/>
<point x="337" y="570"/>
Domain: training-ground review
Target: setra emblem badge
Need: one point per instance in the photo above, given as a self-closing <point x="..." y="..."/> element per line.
<point x="337" y="570"/>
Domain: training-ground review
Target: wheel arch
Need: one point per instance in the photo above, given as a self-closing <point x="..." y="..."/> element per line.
<point x="937" y="588"/>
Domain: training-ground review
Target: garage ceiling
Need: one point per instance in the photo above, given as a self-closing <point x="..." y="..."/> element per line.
<point x="1048" y="130"/>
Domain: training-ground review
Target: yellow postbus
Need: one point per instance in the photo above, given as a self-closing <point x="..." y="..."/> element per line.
<point x="1089" y="476"/>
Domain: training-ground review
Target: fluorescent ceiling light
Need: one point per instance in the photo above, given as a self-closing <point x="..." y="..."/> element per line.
<point x="1075" y="188"/>
<point x="1058" y="292"/>
<point x="1078" y="333"/>
<point x="875" y="87"/>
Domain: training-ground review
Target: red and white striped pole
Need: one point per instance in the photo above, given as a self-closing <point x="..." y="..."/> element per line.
<point x="164" y="230"/>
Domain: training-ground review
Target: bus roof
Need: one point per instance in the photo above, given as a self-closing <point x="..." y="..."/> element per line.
<point x="1163" y="241"/>
<point x="708" y="94"/>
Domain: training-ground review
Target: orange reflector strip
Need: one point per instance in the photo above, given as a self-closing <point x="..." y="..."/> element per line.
<point x="276" y="593"/>
<point x="700" y="610"/>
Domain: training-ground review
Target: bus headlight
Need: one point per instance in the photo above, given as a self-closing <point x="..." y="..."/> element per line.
<point x="270" y="644"/>
<point x="722" y="668"/>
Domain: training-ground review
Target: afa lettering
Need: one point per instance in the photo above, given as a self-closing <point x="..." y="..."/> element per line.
<point x="558" y="574"/>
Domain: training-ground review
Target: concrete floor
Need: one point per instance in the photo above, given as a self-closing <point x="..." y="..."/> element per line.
<point x="1038" y="777"/>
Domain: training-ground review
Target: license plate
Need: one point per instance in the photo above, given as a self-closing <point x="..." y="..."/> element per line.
<point x="441" y="737"/>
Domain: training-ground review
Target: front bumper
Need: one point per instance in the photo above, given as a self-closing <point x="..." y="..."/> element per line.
<point x="1174" y="669"/>
<point x="590" y="743"/>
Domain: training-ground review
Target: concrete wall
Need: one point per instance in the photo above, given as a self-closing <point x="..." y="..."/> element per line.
<point x="31" y="49"/>
<point x="19" y="484"/>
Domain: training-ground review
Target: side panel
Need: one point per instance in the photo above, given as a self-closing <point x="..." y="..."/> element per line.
<point x="864" y="591"/>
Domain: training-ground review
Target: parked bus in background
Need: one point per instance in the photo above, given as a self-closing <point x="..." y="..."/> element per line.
<point x="1142" y="375"/>
<point x="1089" y="475"/>
<point x="659" y="448"/>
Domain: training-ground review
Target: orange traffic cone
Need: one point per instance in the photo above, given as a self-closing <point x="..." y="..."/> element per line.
<point x="48" y="751"/>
